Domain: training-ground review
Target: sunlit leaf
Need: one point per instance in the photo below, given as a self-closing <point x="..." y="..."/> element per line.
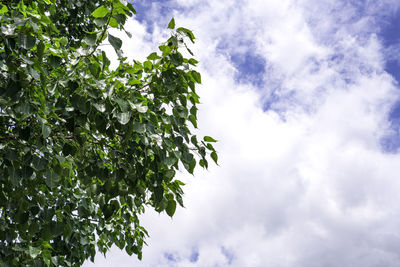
<point x="100" y="12"/>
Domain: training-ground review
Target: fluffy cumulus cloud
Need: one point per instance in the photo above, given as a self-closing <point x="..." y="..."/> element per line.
<point x="297" y="93"/>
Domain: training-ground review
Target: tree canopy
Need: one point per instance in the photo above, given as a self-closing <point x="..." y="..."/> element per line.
<point x="85" y="148"/>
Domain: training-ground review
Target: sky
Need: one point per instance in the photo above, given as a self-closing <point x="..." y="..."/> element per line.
<point x="303" y="96"/>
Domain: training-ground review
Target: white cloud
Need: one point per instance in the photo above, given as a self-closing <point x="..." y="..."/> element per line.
<point x="306" y="182"/>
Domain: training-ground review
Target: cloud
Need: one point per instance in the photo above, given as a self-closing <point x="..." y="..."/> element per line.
<point x="304" y="180"/>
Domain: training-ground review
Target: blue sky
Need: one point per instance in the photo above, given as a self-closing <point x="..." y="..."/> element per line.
<point x="304" y="98"/>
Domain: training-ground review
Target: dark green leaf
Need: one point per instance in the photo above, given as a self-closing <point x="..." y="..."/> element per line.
<point x="170" y="174"/>
<point x="38" y="163"/>
<point x="171" y="207"/>
<point x="115" y="42"/>
<point x="26" y="41"/>
<point x="52" y="179"/>
<point x="46" y="130"/>
<point x="90" y="39"/>
<point x="14" y="176"/>
<point x="214" y="156"/>
<point x="193" y="120"/>
<point x="95" y="69"/>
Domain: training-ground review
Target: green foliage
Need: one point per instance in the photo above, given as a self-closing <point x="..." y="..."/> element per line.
<point x="83" y="148"/>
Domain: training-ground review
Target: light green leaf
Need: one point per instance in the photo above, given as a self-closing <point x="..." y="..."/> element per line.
<point x="148" y="65"/>
<point x="171" y="24"/>
<point x="209" y="139"/>
<point x="113" y="22"/>
<point x="3" y="9"/>
<point x="153" y="56"/>
<point x="100" y="12"/>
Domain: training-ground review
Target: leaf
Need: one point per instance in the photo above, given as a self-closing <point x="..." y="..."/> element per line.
<point x="171" y="24"/>
<point x="153" y="56"/>
<point x="192" y="165"/>
<point x="46" y="130"/>
<point x="90" y="39"/>
<point x="39" y="163"/>
<point x="26" y="41"/>
<point x="142" y="109"/>
<point x="186" y="32"/>
<point x="128" y="33"/>
<point x="123" y="118"/>
<point x="52" y="179"/>
<point x="123" y="104"/>
<point x="170" y="161"/>
<point x="115" y="42"/>
<point x="63" y="41"/>
<point x="192" y="119"/>
<point x="139" y="127"/>
<point x="95" y="69"/>
<point x="196" y="76"/>
<point x="169" y="174"/>
<point x="100" y="12"/>
<point x="34" y="252"/>
<point x="209" y="139"/>
<point x="171" y="207"/>
<point x="25" y="108"/>
<point x="158" y="194"/>
<point x="214" y="156"/>
<point x="40" y="50"/>
<point x="193" y="62"/>
<point x="14" y="177"/>
<point x="187" y="157"/>
<point x="100" y="107"/>
<point x="148" y="65"/>
<point x="113" y="22"/>
<point x="3" y="9"/>
<point x="34" y="73"/>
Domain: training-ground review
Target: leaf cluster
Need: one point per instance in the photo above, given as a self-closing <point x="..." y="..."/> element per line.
<point x="83" y="148"/>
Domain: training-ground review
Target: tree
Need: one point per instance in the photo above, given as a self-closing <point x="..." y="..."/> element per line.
<point x="84" y="148"/>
